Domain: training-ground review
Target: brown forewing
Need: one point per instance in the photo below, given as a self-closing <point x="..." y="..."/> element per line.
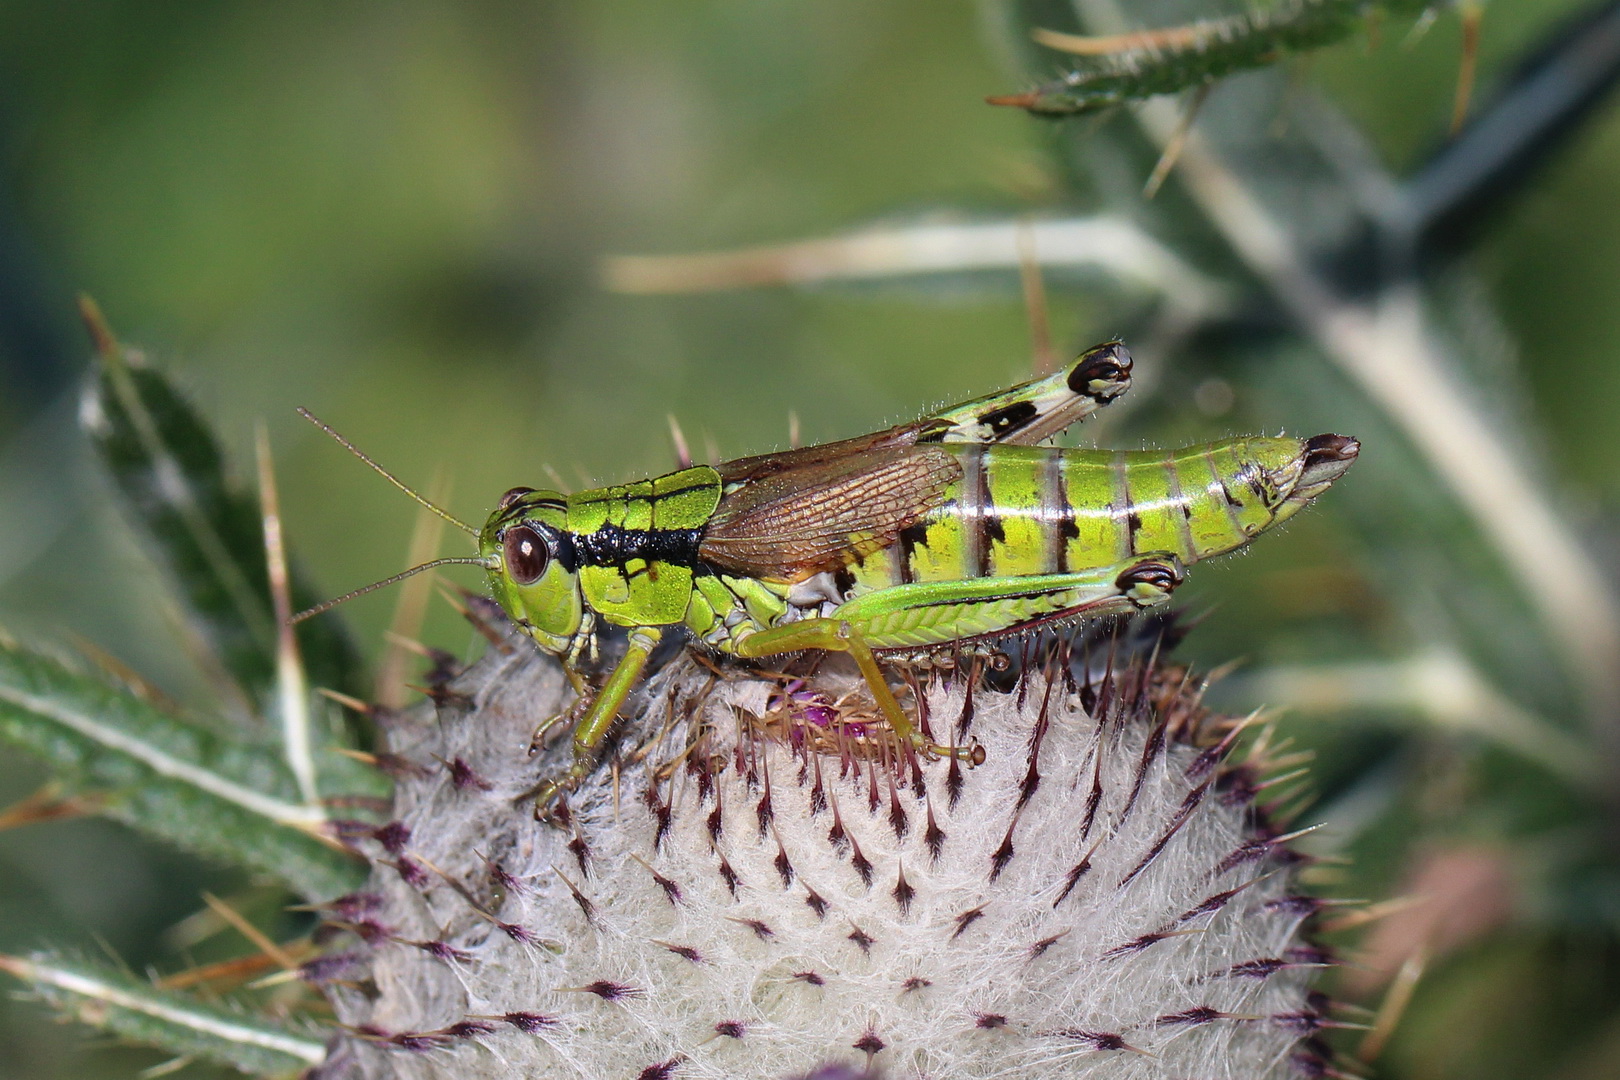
<point x="763" y="465"/>
<point x="801" y="512"/>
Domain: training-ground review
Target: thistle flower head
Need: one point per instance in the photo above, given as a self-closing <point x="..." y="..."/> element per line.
<point x="762" y="884"/>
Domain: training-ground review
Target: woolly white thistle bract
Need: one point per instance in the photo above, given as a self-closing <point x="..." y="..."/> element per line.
<point x="759" y="885"/>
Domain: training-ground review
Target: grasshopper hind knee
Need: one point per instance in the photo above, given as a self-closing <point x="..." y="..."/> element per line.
<point x="1034" y="411"/>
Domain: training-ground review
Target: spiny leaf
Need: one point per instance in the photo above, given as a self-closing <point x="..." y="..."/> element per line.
<point x="207" y="531"/>
<point x="166" y="777"/>
<point x="1135" y="66"/>
<point x="112" y="1000"/>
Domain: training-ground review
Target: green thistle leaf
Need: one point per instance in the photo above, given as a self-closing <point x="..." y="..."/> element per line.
<point x="115" y="1001"/>
<point x="205" y="529"/>
<point x="159" y="774"/>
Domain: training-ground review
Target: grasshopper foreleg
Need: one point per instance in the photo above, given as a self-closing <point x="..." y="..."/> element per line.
<point x="592" y="728"/>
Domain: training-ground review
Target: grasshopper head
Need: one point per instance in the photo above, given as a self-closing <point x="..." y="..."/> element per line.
<point x="533" y="567"/>
<point x="1289" y="473"/>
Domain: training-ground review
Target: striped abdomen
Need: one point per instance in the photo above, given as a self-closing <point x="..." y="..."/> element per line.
<point x="1019" y="511"/>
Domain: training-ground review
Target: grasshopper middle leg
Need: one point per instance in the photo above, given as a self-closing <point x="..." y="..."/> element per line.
<point x="922" y="614"/>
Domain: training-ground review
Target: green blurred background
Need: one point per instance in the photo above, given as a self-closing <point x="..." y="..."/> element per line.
<point x="395" y="215"/>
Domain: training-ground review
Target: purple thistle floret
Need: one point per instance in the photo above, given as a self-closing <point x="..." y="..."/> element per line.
<point x="411" y="872"/>
<point x="394" y="837"/>
<point x="529" y="1022"/>
<point x="333" y="967"/>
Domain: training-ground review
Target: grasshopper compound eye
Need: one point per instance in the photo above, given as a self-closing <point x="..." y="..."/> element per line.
<point x="526" y="554"/>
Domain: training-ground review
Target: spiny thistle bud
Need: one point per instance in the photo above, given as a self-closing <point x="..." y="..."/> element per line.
<point x="762" y="884"/>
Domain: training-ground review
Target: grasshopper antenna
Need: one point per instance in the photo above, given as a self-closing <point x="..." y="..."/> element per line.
<point x="401" y="576"/>
<point x="392" y="479"/>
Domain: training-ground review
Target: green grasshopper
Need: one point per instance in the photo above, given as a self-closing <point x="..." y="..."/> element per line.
<point x="957" y="528"/>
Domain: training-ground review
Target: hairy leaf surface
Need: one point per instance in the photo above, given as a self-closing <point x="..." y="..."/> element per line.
<point x="113" y="1000"/>
<point x="166" y="777"/>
